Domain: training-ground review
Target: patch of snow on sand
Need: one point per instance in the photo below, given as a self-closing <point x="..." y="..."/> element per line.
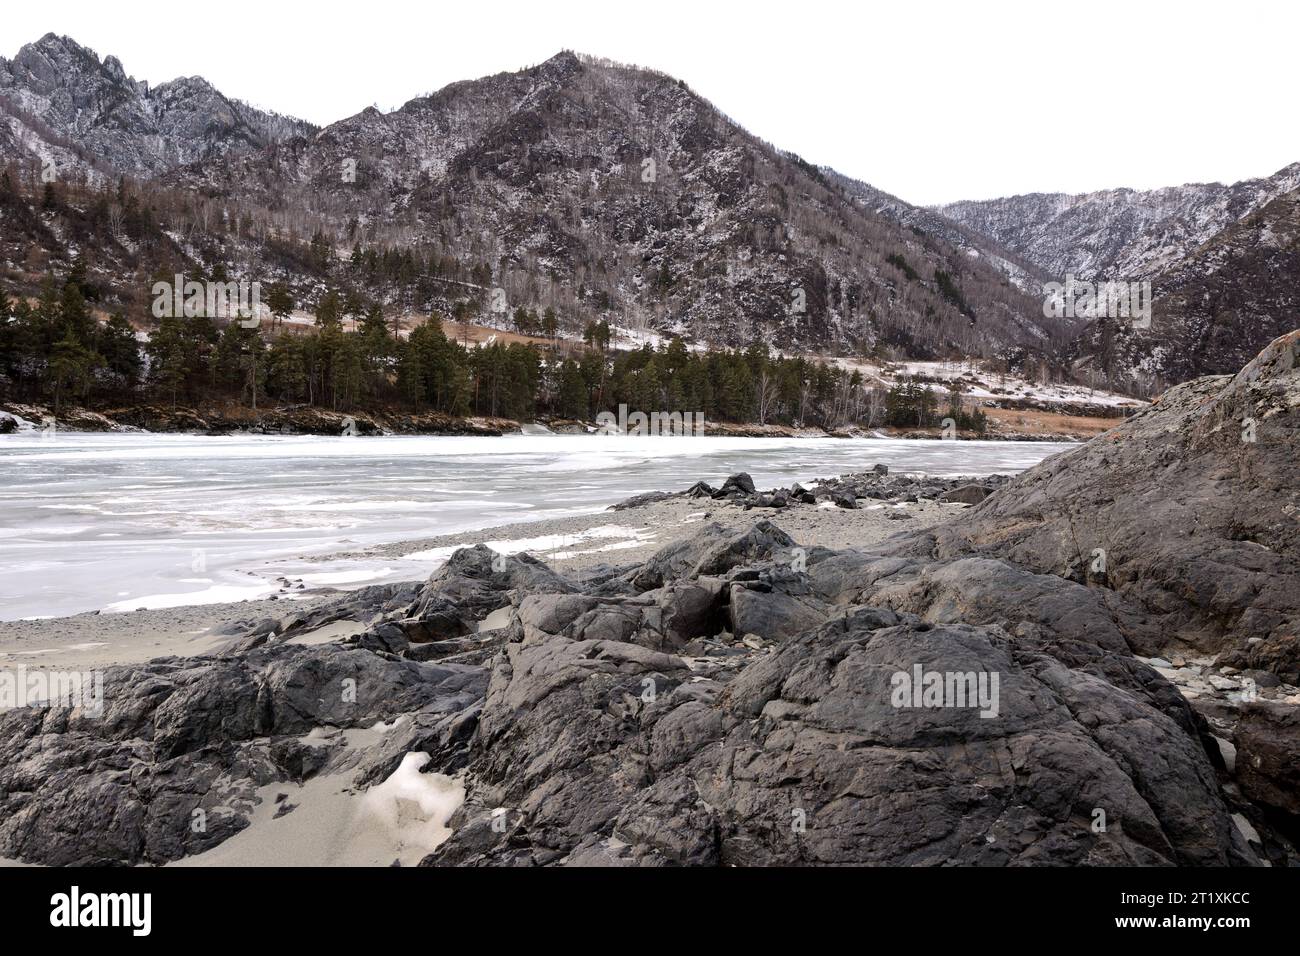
<point x="415" y="806"/>
<point x="556" y="546"/>
<point x="352" y="577"/>
<point x="216" y="594"/>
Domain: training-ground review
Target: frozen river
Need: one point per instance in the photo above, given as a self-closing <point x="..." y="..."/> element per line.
<point x="120" y="521"/>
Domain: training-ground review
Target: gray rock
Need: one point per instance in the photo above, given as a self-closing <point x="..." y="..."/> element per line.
<point x="738" y="484"/>
<point x="712" y="550"/>
<point x="722" y="774"/>
<point x="202" y="734"/>
<point x="637" y="501"/>
<point x="1267" y="739"/>
<point x="1190" y="517"/>
<point x="967" y="494"/>
<point x="475" y="582"/>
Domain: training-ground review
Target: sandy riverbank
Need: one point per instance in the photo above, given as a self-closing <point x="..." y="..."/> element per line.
<point x="95" y="640"/>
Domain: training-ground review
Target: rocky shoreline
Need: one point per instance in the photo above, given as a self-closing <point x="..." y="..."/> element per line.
<point x="297" y="420"/>
<point x="630" y="531"/>
<point x="1125" y="615"/>
<point x="310" y="420"/>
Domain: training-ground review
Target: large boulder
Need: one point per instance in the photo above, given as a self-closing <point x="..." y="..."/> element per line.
<point x="1188" y="510"/>
<point x="1267" y="740"/>
<point x="471" y="585"/>
<point x="602" y="753"/>
<point x="738" y="485"/>
<point x="712" y="550"/>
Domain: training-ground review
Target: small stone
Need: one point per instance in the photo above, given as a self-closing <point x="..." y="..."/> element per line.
<point x="1229" y="754"/>
<point x="1246" y="830"/>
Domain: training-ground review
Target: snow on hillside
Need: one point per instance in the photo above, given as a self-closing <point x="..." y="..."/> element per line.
<point x="977" y="381"/>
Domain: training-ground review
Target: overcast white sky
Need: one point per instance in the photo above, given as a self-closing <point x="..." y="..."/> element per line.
<point x="933" y="101"/>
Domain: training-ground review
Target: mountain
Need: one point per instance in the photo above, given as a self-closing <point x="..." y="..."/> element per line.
<point x="1122" y="235"/>
<point x="1213" y="309"/>
<point x="1022" y="273"/>
<point x="59" y="100"/>
<point x="606" y="190"/>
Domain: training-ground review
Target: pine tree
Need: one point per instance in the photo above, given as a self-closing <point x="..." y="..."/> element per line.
<point x="410" y="375"/>
<point x="71" y="368"/>
<point x="121" y="351"/>
<point x="329" y="313"/>
<point x="77" y="320"/>
<point x="374" y="324"/>
<point x="280" y="302"/>
<point x="168" y="359"/>
<point x="286" y="375"/>
<point x="573" y="401"/>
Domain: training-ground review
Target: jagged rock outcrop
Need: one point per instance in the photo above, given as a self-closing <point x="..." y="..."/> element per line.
<point x="843" y="491"/>
<point x="1267" y="741"/>
<point x="1116" y="234"/>
<point x="604" y="751"/>
<point x="1188" y="510"/>
<point x="1214" y="309"/>
<point x="628" y="724"/>
<point x="59" y="101"/>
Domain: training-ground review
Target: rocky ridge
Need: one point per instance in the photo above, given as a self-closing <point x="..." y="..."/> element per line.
<point x="1123" y="235"/>
<point x="60" y="102"/>
<point x="1212" y="310"/>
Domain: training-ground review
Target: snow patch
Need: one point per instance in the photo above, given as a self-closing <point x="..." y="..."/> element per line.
<point x="415" y="806"/>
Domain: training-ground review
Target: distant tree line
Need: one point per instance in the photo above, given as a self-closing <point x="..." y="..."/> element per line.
<point x="55" y="350"/>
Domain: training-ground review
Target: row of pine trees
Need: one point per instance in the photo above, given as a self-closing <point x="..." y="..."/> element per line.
<point x="54" y="350"/>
